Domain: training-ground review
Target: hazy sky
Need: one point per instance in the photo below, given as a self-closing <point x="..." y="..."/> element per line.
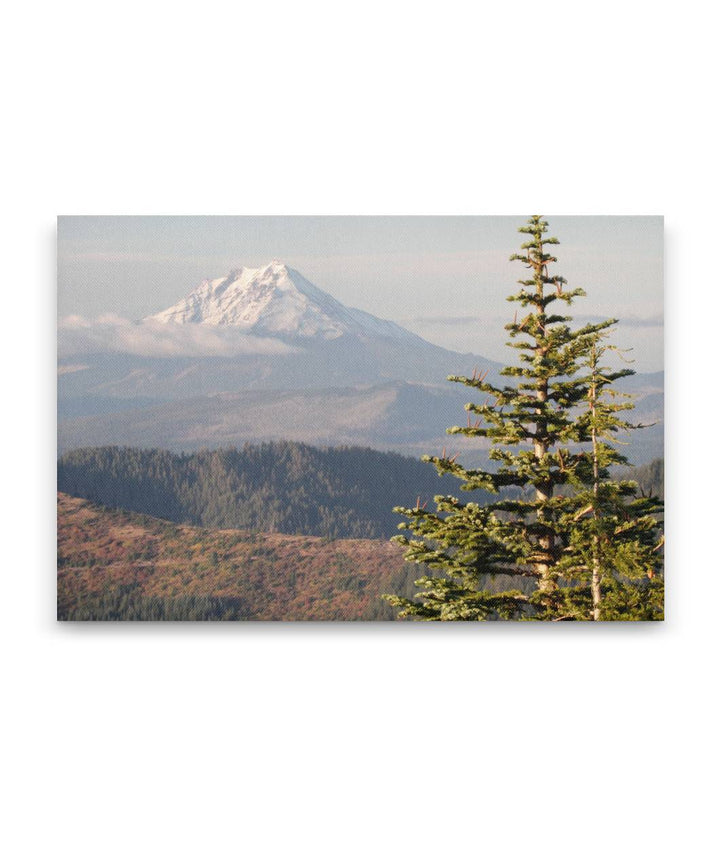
<point x="445" y="278"/>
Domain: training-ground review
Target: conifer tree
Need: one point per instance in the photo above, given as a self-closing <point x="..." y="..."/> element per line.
<point x="615" y="535"/>
<point x="518" y="557"/>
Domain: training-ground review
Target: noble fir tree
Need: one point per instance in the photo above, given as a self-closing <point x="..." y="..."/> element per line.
<point x="613" y="555"/>
<point x="530" y="553"/>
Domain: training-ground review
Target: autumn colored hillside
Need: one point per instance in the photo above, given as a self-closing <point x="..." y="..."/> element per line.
<point x="118" y="565"/>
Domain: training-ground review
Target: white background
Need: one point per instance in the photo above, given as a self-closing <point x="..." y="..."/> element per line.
<point x="358" y="739"/>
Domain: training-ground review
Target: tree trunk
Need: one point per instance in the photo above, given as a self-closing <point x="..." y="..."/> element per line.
<point x="595" y="584"/>
<point x="544" y="491"/>
<point x="596" y="575"/>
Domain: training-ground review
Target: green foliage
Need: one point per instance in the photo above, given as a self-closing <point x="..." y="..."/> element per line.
<point x="613" y="534"/>
<point x="571" y="536"/>
<point x="272" y="487"/>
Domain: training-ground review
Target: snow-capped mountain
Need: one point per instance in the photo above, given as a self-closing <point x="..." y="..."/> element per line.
<point x="264" y="328"/>
<point x="264" y="354"/>
<point x="276" y="300"/>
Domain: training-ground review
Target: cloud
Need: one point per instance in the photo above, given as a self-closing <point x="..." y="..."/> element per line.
<point x="444" y="320"/>
<point x="625" y="320"/>
<point x="637" y="321"/>
<point x="79" y="335"/>
<point x="70" y="368"/>
<point x="463" y="320"/>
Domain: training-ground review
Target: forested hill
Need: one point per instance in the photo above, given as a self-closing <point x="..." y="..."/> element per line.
<point x="273" y="487"/>
<point x="650" y="477"/>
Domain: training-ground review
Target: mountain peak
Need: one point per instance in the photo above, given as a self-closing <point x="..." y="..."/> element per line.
<point x="274" y="300"/>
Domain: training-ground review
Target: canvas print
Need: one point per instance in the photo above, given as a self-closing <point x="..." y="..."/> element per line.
<point x="360" y="418"/>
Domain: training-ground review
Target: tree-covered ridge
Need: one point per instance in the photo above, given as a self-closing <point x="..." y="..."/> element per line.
<point x="272" y="487"/>
<point x="586" y="543"/>
<point x="650" y="477"/>
<point x="122" y="566"/>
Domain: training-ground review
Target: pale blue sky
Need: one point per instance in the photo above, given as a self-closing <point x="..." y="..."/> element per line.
<point x="445" y="278"/>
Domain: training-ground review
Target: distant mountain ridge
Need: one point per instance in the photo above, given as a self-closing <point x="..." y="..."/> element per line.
<point x="410" y="418"/>
<point x="407" y="418"/>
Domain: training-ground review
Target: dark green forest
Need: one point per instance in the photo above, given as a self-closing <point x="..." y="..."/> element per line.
<point x="272" y="487"/>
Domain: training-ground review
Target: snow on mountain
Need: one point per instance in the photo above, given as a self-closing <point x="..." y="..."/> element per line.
<point x="278" y="301"/>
